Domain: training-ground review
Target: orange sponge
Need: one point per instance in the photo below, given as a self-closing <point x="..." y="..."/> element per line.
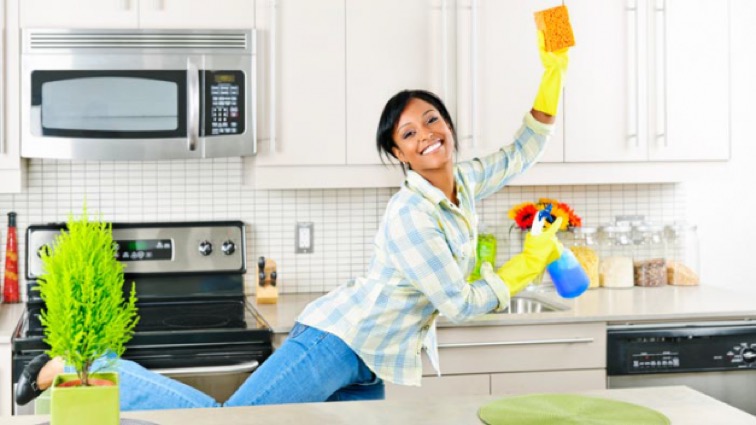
<point x="555" y="24"/>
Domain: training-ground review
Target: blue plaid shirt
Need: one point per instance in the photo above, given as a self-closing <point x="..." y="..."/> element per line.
<point x="424" y="249"/>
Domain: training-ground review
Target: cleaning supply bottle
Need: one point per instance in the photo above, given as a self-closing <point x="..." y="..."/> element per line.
<point x="485" y="251"/>
<point x="570" y="280"/>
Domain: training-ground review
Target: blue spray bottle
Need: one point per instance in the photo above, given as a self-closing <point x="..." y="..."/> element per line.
<point x="570" y="280"/>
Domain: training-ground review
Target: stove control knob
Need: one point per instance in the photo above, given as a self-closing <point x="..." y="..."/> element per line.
<point x="228" y="247"/>
<point x="43" y="249"/>
<point x="748" y="355"/>
<point x="205" y="248"/>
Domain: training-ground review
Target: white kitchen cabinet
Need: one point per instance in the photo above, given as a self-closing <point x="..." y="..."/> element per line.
<point x="499" y="72"/>
<point x="391" y="45"/>
<point x="514" y="359"/>
<point x="301" y="99"/>
<point x="648" y="81"/>
<point x="221" y="14"/>
<point x="12" y="167"/>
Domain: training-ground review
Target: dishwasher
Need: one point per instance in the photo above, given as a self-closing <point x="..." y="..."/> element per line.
<point x="715" y="358"/>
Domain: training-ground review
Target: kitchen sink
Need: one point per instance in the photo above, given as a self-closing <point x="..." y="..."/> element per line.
<point x="527" y="303"/>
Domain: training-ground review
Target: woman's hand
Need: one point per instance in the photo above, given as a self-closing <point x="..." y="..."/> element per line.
<point x="555" y="67"/>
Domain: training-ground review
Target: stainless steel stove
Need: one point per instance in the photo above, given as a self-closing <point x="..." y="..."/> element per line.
<point x="189" y="276"/>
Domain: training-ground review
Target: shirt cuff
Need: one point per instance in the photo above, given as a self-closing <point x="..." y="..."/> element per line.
<point x="537" y="126"/>
<point x="499" y="287"/>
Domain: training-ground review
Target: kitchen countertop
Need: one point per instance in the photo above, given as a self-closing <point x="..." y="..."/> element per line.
<point x="681" y="405"/>
<point x="615" y="306"/>
<point x="9" y="316"/>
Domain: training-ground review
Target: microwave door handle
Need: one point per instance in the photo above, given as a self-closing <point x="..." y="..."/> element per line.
<point x="192" y="104"/>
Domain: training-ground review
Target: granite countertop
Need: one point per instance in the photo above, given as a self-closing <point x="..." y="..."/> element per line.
<point x="615" y="306"/>
<point x="681" y="405"/>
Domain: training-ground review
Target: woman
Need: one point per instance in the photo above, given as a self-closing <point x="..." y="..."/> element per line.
<point x="371" y="329"/>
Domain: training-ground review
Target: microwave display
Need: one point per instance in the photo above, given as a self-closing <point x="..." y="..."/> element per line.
<point x="224" y="100"/>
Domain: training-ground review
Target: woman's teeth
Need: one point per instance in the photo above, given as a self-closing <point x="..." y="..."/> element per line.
<point x="432" y="148"/>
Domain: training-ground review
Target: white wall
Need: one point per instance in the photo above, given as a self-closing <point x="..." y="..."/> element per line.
<point x="724" y="204"/>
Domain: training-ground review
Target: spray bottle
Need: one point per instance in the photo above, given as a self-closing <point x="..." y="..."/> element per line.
<point x="570" y="280"/>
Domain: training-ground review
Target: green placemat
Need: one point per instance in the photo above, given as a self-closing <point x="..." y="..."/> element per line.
<point x="567" y="409"/>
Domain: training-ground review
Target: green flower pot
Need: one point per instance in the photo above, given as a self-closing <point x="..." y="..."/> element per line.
<point x="93" y="405"/>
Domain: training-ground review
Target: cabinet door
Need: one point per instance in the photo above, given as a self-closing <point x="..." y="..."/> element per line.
<point x="508" y="72"/>
<point x="306" y="90"/>
<point x="548" y="382"/>
<point x="391" y="45"/>
<point x="690" y="106"/>
<point x="440" y="386"/>
<point x="605" y="99"/>
<point x="218" y="14"/>
<point x="79" y="13"/>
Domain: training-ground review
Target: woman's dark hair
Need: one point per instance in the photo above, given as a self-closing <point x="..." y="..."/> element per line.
<point x="390" y="118"/>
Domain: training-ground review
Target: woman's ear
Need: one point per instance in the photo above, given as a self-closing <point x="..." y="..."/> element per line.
<point x="398" y="154"/>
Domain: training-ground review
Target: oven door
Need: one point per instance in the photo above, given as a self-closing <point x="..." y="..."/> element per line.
<point x="135" y="95"/>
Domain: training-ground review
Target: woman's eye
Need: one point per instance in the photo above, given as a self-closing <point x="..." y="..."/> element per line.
<point x="431" y="120"/>
<point x="407" y="135"/>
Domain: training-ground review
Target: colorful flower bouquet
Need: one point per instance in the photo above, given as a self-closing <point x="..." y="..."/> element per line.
<point x="524" y="214"/>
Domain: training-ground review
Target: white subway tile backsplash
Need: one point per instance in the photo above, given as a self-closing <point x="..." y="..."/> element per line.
<point x="345" y="220"/>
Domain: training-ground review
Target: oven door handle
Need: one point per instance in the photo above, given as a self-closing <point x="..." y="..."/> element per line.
<point x="209" y="370"/>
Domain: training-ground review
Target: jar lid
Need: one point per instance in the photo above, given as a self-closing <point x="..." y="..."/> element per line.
<point x="583" y="230"/>
<point x="614" y="228"/>
<point x="649" y="227"/>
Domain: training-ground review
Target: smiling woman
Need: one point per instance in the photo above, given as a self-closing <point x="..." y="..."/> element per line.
<point x="373" y="328"/>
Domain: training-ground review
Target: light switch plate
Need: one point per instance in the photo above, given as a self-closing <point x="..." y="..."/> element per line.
<point x="304" y="237"/>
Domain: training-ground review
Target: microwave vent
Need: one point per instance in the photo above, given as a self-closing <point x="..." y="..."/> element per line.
<point x="36" y="40"/>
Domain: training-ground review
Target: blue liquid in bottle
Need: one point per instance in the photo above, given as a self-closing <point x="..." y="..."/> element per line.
<point x="569" y="277"/>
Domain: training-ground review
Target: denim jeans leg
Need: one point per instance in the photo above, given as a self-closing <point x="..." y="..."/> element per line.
<point x="310" y="366"/>
<point x="141" y="389"/>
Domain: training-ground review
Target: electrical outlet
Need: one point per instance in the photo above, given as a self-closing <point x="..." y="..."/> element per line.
<point x="304" y="237"/>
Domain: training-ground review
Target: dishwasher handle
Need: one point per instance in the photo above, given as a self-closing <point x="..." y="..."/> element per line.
<point x="210" y="370"/>
<point x="525" y="342"/>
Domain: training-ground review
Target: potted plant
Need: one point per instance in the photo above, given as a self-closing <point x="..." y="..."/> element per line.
<point x="87" y="316"/>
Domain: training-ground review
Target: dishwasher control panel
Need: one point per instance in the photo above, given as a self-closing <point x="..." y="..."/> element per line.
<point x="680" y="348"/>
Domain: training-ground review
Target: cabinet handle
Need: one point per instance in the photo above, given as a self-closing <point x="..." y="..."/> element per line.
<point x="210" y="370"/>
<point x="445" y="49"/>
<point x="159" y="4"/>
<point x="661" y="73"/>
<point x="526" y="342"/>
<point x="473" y="71"/>
<point x="125" y="4"/>
<point x="633" y="91"/>
<point x="192" y="104"/>
<point x="272" y="59"/>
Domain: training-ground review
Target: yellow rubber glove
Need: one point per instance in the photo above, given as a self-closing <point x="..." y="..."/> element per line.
<point x="550" y="90"/>
<point x="537" y="252"/>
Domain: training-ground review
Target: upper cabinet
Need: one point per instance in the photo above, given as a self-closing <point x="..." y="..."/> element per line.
<point x="499" y="72"/>
<point x="225" y="14"/>
<point x="11" y="164"/>
<point x="648" y="81"/>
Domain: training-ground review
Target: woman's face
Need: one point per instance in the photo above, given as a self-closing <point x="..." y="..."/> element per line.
<point x="423" y="138"/>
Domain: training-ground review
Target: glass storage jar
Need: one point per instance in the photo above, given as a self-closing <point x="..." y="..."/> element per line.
<point x="649" y="259"/>
<point x="616" y="255"/>
<point x="584" y="245"/>
<point x="683" y="267"/>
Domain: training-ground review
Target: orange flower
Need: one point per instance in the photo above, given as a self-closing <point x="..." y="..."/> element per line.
<point x="523" y="215"/>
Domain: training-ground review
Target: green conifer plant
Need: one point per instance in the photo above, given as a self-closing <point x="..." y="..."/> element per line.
<point x="86" y="314"/>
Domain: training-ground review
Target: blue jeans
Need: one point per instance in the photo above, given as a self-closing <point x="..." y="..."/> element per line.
<point x="310" y="366"/>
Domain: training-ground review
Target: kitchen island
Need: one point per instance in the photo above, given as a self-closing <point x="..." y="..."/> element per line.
<point x="681" y="405"/>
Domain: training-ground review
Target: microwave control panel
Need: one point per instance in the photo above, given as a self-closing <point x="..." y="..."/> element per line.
<point x="224" y="103"/>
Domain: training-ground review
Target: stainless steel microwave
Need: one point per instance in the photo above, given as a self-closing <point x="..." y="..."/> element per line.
<point x="138" y="94"/>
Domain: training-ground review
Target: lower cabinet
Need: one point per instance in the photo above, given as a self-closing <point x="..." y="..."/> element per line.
<point x="514" y="360"/>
